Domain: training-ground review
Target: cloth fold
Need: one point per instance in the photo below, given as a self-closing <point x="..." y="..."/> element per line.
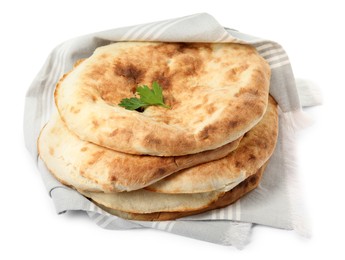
<point x="272" y="203"/>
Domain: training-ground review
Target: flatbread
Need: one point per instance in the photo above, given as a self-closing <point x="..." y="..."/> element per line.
<point x="90" y="167"/>
<point x="216" y="91"/>
<point x="224" y="200"/>
<point x="143" y="201"/>
<point x="255" y="149"/>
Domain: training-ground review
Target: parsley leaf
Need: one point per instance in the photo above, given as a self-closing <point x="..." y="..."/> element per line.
<point x="131" y="103"/>
<point x="148" y="97"/>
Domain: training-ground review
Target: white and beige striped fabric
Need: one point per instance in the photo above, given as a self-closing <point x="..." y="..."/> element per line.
<point x="271" y="204"/>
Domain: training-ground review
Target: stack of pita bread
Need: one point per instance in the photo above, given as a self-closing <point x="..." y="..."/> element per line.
<point x="206" y="151"/>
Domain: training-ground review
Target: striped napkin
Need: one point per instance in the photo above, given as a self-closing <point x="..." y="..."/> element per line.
<point x="273" y="203"/>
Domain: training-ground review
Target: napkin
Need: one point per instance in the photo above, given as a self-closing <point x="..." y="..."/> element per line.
<point x="277" y="200"/>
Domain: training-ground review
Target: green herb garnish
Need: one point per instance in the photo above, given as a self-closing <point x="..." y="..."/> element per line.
<point x="148" y="97"/>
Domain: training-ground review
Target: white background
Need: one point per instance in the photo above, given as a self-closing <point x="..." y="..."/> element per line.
<point x="312" y="33"/>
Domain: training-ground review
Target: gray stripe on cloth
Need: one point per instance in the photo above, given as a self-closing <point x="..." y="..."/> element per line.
<point x="58" y="72"/>
<point x="152" y="30"/>
<point x="135" y="32"/>
<point x="148" y="30"/>
<point x="127" y="36"/>
<point x="283" y="88"/>
<point x="270" y="53"/>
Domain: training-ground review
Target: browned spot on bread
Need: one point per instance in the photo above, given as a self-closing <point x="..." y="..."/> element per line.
<point x="93" y="98"/>
<point x="239" y="164"/>
<point x="252" y="157"/>
<point x="113" y="178"/>
<point x="249" y="102"/>
<point x="244" y="91"/>
<point x="163" y="80"/>
<point x="233" y="123"/>
<point x="97" y="72"/>
<point x="260" y="143"/>
<point x="188" y="47"/>
<point x="204" y="134"/>
<point x="235" y="73"/>
<point x="95" y="157"/>
<point x="74" y="110"/>
<point x="95" y="123"/>
<point x="126" y="133"/>
<point x="253" y="179"/>
<point x="210" y="109"/>
<point x="191" y="65"/>
<point x="51" y="151"/>
<point x="104" y="56"/>
<point x="83" y="149"/>
<point x="171" y="101"/>
<point x="131" y="72"/>
<point x="160" y="171"/>
<point x="150" y="138"/>
<point x="207" y="132"/>
<point x="113" y="133"/>
<point x="197" y="106"/>
<point x="259" y="76"/>
<point x="168" y="50"/>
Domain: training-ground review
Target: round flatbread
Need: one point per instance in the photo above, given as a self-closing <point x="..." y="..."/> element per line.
<point x="90" y="167"/>
<point x="255" y="148"/>
<point x="224" y="199"/>
<point x="216" y="91"/>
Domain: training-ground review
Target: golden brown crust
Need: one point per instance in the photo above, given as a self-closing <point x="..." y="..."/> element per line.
<point x="87" y="166"/>
<point x="228" y="198"/>
<point x="206" y="85"/>
<point x="255" y="148"/>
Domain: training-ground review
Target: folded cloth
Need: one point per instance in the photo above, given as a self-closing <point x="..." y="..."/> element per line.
<point x="274" y="203"/>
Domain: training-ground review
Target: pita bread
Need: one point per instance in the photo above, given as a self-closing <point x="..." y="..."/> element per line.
<point x="143" y="201"/>
<point x="216" y="91"/>
<point x="90" y="167"/>
<point x="225" y="199"/>
<point x="255" y="149"/>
